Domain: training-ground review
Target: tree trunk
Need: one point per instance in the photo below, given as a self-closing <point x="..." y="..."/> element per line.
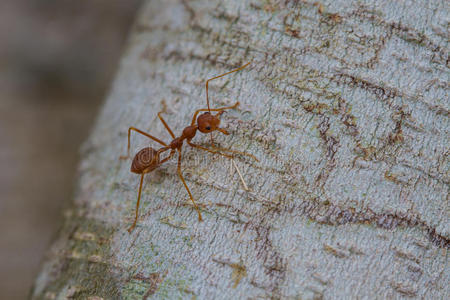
<point x="346" y="107"/>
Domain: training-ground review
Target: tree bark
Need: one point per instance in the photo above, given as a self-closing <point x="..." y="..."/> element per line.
<point x="346" y="106"/>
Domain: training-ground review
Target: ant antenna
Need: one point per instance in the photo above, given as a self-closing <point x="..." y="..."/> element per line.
<point x="207" y="81"/>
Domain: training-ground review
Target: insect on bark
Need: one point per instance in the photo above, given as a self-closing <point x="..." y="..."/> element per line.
<point x="148" y="159"/>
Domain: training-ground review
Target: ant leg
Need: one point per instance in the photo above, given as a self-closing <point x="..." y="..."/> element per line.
<point x="137" y="204"/>
<point x="217" y="151"/>
<point x="209" y="150"/>
<point x="237" y="152"/>
<point x="194" y="118"/>
<point x="143" y="133"/>
<point x="165" y="124"/>
<point x="207" y="81"/>
<point x="187" y="189"/>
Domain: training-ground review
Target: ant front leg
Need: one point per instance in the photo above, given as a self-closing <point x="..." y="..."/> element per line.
<point x="219" y="151"/>
<point x="208" y="150"/>
<point x="238" y="152"/>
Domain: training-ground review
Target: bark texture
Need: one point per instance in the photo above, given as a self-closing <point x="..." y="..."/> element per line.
<point x="346" y="106"/>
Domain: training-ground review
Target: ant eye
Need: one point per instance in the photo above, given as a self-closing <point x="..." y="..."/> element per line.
<point x="208" y="128"/>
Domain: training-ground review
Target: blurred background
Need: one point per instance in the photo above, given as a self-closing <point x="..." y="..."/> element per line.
<point x="57" y="60"/>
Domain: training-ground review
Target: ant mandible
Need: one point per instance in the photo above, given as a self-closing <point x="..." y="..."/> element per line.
<point x="148" y="159"/>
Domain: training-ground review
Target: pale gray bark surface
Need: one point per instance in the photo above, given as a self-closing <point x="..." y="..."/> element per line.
<point x="346" y="106"/>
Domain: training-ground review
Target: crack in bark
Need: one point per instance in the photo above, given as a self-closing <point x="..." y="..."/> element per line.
<point x="406" y="33"/>
<point x="334" y="215"/>
<point x="272" y="260"/>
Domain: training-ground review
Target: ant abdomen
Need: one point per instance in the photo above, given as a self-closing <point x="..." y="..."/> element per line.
<point x="145" y="160"/>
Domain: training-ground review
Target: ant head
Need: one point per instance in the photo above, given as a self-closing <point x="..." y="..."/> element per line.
<point x="208" y="123"/>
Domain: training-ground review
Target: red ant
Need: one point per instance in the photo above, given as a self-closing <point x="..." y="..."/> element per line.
<point x="148" y="159"/>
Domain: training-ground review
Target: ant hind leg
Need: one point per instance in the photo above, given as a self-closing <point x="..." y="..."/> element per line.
<point x="137" y="204"/>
